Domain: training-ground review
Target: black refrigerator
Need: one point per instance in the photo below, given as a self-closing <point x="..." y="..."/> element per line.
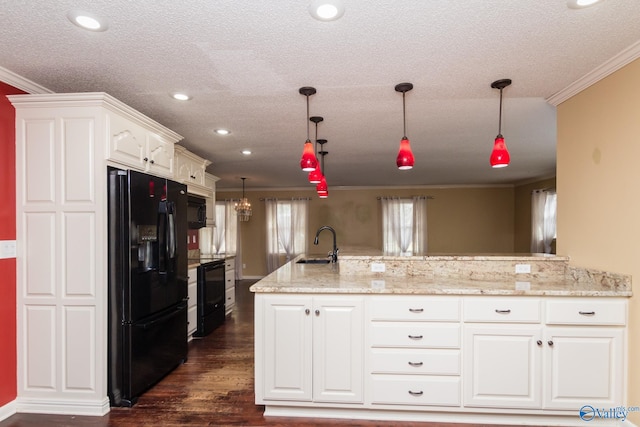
<point x="147" y="336"/>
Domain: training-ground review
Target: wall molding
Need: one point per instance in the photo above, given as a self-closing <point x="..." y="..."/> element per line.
<point x="7" y="410"/>
<point x="623" y="58"/>
<point x="30" y="405"/>
<point x="19" y="82"/>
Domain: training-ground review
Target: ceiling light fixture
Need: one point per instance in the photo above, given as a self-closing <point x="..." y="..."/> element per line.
<point x="500" y="155"/>
<point x="243" y="208"/>
<point x="316" y="175"/>
<point x="326" y="10"/>
<point x="222" y="131"/>
<point x="581" y="4"/>
<point x="246" y="152"/>
<point x="308" y="162"/>
<point x="322" y="188"/>
<point x="87" y="20"/>
<point x="180" y="96"/>
<point x="405" y="158"/>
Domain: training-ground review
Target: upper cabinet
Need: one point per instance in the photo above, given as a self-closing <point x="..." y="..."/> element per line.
<point x="190" y="169"/>
<point x="210" y="182"/>
<point x="141" y="147"/>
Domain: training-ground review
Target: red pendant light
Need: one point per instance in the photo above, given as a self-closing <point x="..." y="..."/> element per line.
<point x="308" y="162"/>
<point x="405" y="158"/>
<point x="500" y="155"/>
<point x="322" y="188"/>
<point x="315" y="176"/>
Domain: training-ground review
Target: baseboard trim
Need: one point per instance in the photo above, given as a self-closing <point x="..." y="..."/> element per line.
<point x="96" y="408"/>
<point x="437" y="417"/>
<point x="7" y="410"/>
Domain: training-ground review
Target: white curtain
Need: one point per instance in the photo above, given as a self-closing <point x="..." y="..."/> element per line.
<point x="286" y="230"/>
<point x="404" y="225"/>
<point x="543" y="220"/>
<point x="226" y="234"/>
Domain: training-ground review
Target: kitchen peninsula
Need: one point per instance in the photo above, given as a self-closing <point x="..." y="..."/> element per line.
<point x="467" y="338"/>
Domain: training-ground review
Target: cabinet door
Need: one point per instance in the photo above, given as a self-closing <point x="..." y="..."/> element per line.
<point x="584" y="367"/>
<point x="159" y="155"/>
<point x="338" y="349"/>
<point x="127" y="143"/>
<point x="286" y="346"/>
<point x="502" y="366"/>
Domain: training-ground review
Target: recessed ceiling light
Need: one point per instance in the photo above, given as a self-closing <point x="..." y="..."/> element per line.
<point x="180" y="96"/>
<point x="581" y="4"/>
<point x="246" y="152"/>
<point x="222" y="132"/>
<point x="87" y="20"/>
<point x="326" y="10"/>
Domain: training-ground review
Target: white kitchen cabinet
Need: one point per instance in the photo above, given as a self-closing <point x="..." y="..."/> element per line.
<point x="230" y="284"/>
<point x="64" y="143"/>
<point x="192" y="305"/>
<point x="571" y="357"/>
<point x="414" y="351"/>
<point x="309" y="349"/>
<point x="190" y="170"/>
<point x="210" y="182"/>
<point x="134" y="144"/>
<point x="502" y="366"/>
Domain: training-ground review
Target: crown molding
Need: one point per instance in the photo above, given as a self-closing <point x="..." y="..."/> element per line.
<point x="623" y="58"/>
<point x="19" y="82"/>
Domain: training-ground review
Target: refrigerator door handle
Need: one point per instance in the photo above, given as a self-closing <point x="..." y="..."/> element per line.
<point x="162" y="237"/>
<point x="171" y="231"/>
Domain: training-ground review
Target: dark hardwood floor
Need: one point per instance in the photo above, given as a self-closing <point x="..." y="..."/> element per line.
<point x="213" y="388"/>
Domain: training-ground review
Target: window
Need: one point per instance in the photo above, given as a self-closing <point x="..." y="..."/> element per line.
<point x="225" y="234"/>
<point x="286" y="230"/>
<point x="543" y="221"/>
<point x="404" y="226"/>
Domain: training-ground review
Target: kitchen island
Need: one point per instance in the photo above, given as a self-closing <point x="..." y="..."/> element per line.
<point x="465" y="338"/>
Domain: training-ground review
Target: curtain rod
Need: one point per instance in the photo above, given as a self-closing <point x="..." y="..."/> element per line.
<point x="262" y="199"/>
<point x="544" y="189"/>
<point x="394" y="197"/>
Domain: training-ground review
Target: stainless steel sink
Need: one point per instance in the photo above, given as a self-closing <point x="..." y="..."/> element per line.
<point x="313" y="261"/>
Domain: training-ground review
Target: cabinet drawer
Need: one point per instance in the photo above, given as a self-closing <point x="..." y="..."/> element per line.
<point x="192" y="292"/>
<point x="192" y="318"/>
<point x="415" y="361"/>
<point x="229" y="281"/>
<point x="510" y="310"/>
<point x="229" y="265"/>
<point x="192" y="273"/>
<point x="586" y="311"/>
<point x="415" y="334"/>
<point x="410" y="390"/>
<point x="415" y="308"/>
<point x="230" y="297"/>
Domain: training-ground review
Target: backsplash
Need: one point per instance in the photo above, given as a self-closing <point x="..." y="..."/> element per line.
<point x="192" y="239"/>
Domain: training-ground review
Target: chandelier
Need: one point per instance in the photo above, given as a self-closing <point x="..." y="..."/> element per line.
<point x="243" y="208"/>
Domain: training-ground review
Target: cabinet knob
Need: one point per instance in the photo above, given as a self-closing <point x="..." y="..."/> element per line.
<point x="416" y="310"/>
<point x="152" y="161"/>
<point x="416" y="393"/>
<point x="550" y="343"/>
<point x="416" y="364"/>
<point x="415" y="337"/>
<point x="317" y="312"/>
<point x="146" y="159"/>
<point x="307" y="311"/>
<point x="539" y="342"/>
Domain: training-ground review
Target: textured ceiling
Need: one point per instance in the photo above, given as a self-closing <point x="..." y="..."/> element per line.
<point x="243" y="63"/>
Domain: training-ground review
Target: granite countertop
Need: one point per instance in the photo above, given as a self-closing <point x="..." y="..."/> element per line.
<point x="445" y="275"/>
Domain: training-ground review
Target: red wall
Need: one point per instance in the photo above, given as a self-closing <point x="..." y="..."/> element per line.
<point x="8" y="370"/>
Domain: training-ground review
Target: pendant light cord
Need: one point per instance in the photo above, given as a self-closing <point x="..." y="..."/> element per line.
<point x="404" y="117"/>
<point x="308" y="118"/>
<point x="500" y="116"/>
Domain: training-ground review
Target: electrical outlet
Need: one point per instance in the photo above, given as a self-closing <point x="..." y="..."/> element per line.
<point x="377" y="284"/>
<point x="523" y="286"/>
<point x="7" y="249"/>
<point x="377" y="267"/>
<point x="244" y="265"/>
<point x="523" y="268"/>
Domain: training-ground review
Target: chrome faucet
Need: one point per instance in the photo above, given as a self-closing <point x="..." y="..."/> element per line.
<point x="334" y="253"/>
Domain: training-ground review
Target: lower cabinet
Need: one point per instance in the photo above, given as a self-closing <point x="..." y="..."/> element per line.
<point x="309" y="348"/>
<point x="476" y="356"/>
<point x="192" y="305"/>
<point x="229" y="285"/>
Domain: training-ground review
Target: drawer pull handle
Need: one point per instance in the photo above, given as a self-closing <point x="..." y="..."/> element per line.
<point x="416" y="310"/>
<point x="415" y="337"/>
<point x="416" y="393"/>
<point x="503" y="311"/>
<point x="416" y="364"/>
<point x="587" y="313"/>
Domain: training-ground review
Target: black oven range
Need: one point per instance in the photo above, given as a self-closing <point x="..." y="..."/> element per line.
<point x="211" y="297"/>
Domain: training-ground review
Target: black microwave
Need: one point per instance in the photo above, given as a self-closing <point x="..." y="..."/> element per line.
<point x="196" y="212"/>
